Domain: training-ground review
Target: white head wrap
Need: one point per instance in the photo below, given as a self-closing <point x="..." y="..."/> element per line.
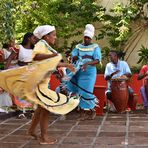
<point x="40" y="31"/>
<point x="89" y="31"/>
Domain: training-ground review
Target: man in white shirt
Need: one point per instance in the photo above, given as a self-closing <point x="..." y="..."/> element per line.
<point x="116" y="69"/>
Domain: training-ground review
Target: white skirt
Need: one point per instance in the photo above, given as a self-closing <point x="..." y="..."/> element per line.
<point x="5" y="99"/>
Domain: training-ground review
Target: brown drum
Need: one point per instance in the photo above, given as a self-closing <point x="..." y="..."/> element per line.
<point x="120" y="94"/>
<point x="146" y="86"/>
<point x="1" y="56"/>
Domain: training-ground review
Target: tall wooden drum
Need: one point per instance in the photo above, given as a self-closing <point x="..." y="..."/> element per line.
<point x="120" y="94"/>
<point x="1" y="56"/>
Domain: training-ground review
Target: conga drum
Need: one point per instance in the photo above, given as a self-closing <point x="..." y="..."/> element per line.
<point x="146" y="86"/>
<point x="119" y="94"/>
<point x="1" y="56"/>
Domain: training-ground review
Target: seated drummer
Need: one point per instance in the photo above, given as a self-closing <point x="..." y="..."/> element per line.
<point x="117" y="68"/>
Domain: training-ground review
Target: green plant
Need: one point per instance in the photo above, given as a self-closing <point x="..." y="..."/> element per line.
<point x="100" y="69"/>
<point x="143" y="55"/>
<point x="7" y="23"/>
<point x="117" y="24"/>
<point x="1" y="66"/>
<point x="69" y="16"/>
<point x="135" y="69"/>
<point x="105" y="51"/>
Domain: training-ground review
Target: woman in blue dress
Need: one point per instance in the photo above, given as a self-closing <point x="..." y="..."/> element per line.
<point x="86" y="55"/>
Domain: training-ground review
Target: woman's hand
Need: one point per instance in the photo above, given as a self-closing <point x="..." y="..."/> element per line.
<point x="54" y="54"/>
<point x="84" y="66"/>
<point x="39" y="57"/>
<point x="74" y="59"/>
<point x="71" y="68"/>
<point x="1" y="90"/>
<point x="124" y="77"/>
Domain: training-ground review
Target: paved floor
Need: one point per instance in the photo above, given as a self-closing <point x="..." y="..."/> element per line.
<point x="129" y="130"/>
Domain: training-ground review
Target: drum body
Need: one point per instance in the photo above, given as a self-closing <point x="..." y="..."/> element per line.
<point x="146" y="86"/>
<point x="2" y="57"/>
<point x="119" y="94"/>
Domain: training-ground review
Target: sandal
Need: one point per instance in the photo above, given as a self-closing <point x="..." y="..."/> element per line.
<point x="21" y="116"/>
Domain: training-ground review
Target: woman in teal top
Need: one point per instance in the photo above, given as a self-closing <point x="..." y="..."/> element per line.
<point x="86" y="55"/>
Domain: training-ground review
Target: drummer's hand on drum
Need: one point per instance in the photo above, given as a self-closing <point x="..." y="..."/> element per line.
<point x="123" y="77"/>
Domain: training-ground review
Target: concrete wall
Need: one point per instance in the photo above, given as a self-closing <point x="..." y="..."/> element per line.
<point x="138" y="38"/>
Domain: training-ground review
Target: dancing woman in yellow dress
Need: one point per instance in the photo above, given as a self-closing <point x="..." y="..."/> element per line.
<point x="42" y="51"/>
<point x="31" y="82"/>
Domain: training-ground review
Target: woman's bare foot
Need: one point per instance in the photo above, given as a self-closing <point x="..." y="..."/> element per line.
<point x="48" y="141"/>
<point x="92" y="115"/>
<point x="88" y="115"/>
<point x="32" y="134"/>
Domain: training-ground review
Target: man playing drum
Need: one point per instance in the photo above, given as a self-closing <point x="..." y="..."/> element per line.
<point x="117" y="69"/>
<point x="144" y="91"/>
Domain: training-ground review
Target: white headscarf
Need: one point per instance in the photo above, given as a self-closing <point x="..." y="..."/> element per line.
<point x="40" y="31"/>
<point x="89" y="31"/>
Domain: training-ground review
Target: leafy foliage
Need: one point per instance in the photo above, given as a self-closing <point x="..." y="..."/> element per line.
<point x="143" y="54"/>
<point x="117" y="26"/>
<point x="67" y="15"/>
<point x="135" y="69"/>
<point x="7" y="23"/>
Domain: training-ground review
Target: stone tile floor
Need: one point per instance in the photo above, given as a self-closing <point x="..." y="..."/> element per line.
<point x="128" y="130"/>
